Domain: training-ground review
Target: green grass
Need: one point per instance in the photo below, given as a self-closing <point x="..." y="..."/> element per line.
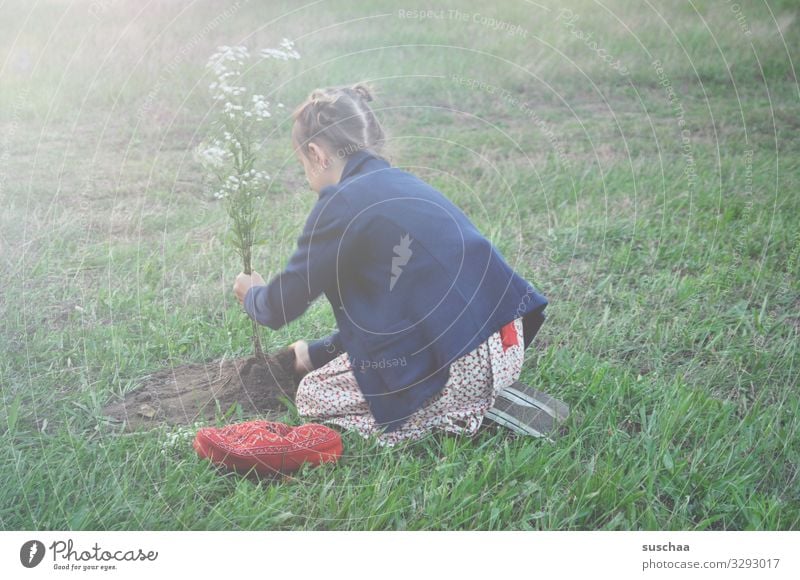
<point x="674" y="312"/>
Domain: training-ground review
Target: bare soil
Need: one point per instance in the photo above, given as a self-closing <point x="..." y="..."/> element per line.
<point x="186" y="394"/>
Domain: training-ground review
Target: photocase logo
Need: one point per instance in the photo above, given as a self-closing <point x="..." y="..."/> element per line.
<point x="31" y="553"/>
<point x="402" y="255"/>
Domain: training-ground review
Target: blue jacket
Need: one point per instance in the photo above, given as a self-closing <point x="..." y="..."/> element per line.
<point x="413" y="285"/>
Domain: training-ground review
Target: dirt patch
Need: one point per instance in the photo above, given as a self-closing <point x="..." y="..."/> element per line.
<point x="200" y="392"/>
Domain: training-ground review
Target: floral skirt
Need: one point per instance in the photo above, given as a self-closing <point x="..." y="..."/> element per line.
<point x="330" y="394"/>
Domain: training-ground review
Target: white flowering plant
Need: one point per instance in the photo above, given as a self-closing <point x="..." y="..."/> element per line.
<point x="231" y="155"/>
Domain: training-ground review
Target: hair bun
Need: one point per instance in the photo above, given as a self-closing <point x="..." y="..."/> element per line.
<point x="321" y="101"/>
<point x="363" y="91"/>
<point x="340" y="118"/>
<point x="322" y="97"/>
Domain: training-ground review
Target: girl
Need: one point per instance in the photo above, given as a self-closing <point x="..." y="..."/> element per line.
<point x="432" y="321"/>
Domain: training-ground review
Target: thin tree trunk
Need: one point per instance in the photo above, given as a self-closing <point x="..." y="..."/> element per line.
<point x="257" y="349"/>
<point x="259" y="352"/>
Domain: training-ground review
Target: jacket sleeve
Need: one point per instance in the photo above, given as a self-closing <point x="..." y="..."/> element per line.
<point x="324" y="350"/>
<point x="320" y="255"/>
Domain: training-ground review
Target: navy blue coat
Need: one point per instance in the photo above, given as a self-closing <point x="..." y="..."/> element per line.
<point x="413" y="285"/>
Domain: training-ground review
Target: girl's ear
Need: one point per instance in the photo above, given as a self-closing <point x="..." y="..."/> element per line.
<point x="316" y="153"/>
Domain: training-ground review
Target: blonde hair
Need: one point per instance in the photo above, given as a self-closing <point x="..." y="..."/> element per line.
<point x="341" y="118"/>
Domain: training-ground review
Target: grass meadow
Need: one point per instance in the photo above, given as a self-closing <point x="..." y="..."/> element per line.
<point x="639" y="162"/>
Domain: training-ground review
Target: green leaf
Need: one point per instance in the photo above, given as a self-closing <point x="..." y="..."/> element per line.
<point x="667" y="459"/>
<point x="12" y="414"/>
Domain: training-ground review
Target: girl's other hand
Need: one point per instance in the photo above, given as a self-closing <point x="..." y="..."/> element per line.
<point x="244" y="282"/>
<point x="302" y="360"/>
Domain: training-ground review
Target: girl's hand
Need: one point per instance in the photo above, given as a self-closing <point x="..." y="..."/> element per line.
<point x="244" y="283"/>
<point x="302" y="361"/>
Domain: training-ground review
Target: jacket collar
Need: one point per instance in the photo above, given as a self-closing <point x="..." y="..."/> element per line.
<point x="352" y="166"/>
<point x="355" y="161"/>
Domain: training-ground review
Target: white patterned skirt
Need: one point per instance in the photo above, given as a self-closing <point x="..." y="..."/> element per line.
<point x="330" y="394"/>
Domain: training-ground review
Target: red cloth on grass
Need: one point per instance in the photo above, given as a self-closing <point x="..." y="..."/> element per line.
<point x="267" y="446"/>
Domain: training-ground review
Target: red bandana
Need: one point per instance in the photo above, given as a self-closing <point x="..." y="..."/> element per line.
<point x="267" y="446"/>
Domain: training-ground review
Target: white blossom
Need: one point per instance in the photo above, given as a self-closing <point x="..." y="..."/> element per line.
<point x="226" y="55"/>
<point x="288" y="51"/>
<point x="260" y="107"/>
<point x="236" y="144"/>
<point x="212" y="156"/>
<point x="180" y="439"/>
